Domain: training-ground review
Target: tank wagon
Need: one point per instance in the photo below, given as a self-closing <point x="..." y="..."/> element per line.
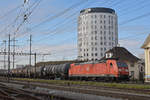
<point x="3" y="72"/>
<point x="54" y="71"/>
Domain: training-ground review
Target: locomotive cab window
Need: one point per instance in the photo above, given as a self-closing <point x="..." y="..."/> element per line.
<point x="111" y="65"/>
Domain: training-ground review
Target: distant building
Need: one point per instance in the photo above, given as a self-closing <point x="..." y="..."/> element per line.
<point x="97" y="32"/>
<point x="146" y="46"/>
<point x="135" y="66"/>
<point x="20" y="66"/>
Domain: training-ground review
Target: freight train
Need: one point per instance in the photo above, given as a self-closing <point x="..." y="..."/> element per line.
<point x="109" y="69"/>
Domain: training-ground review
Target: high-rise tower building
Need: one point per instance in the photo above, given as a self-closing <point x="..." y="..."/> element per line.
<point x="97" y="32"/>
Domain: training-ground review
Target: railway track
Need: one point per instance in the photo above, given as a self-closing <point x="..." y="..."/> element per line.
<point x="130" y="94"/>
<point x="8" y="92"/>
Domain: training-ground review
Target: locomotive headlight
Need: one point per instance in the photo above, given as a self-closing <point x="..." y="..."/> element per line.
<point x="126" y="70"/>
<point x="120" y="70"/>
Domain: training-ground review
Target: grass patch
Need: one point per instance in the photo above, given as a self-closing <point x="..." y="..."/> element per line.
<point x="102" y="84"/>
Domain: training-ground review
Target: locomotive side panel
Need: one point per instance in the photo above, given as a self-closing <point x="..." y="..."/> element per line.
<point x="107" y="69"/>
<point x="88" y="70"/>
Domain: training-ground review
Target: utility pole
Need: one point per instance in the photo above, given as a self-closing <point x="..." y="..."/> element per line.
<point x="30" y="54"/>
<point x="4" y="54"/>
<point x="35" y="62"/>
<point x="14" y="44"/>
<point x="8" y="57"/>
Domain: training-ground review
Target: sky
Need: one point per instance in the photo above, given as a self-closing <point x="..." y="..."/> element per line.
<point x="53" y="26"/>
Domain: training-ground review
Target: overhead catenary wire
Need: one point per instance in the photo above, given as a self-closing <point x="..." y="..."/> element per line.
<point x="11" y="11"/>
<point x="59" y="25"/>
<point x="135" y="18"/>
<point x="135" y="9"/>
<point x="57" y="30"/>
<point x="60" y="13"/>
<point x="117" y="3"/>
<point x="67" y="16"/>
<point x="110" y="2"/>
<point x="15" y="20"/>
<point x="27" y="16"/>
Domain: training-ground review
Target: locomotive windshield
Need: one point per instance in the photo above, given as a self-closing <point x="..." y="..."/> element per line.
<point x="122" y="64"/>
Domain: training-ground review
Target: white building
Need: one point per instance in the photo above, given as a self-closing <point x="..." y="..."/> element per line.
<point x="97" y="32"/>
<point x="146" y="47"/>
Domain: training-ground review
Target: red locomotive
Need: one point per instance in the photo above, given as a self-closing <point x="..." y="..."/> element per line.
<point x="109" y="69"/>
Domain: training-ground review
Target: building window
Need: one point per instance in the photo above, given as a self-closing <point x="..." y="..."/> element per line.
<point x="91" y="38"/>
<point x="95" y="32"/>
<point x="95" y="54"/>
<point x="104" y="38"/>
<point x="95" y="27"/>
<point x="101" y="49"/>
<point x="92" y="48"/>
<point x="104" y="32"/>
<point x="132" y="64"/>
<point x="104" y="16"/>
<point x="101" y="27"/>
<point x="95" y="49"/>
<point x="95" y="43"/>
<point x="101" y="32"/>
<point x="112" y="43"/>
<point x="101" y="38"/>
<point x="95" y="37"/>
<point x="92" y="54"/>
<point x="132" y="74"/>
<point x="87" y="54"/>
<point x="109" y="38"/>
<point x="101" y="43"/>
<point x="95" y="22"/>
<point x="104" y="27"/>
<point x="101" y="54"/>
<point x="104" y="21"/>
<point x="101" y="21"/>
